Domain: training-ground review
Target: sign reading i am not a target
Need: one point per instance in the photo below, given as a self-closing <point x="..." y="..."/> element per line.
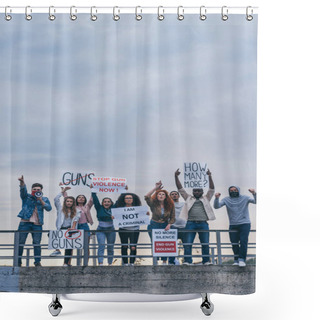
<point x="164" y="243"/>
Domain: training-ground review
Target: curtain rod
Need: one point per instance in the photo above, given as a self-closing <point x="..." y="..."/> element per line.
<point x="128" y="10"/>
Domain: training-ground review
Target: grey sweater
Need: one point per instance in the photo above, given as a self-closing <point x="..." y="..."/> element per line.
<point x="237" y="208"/>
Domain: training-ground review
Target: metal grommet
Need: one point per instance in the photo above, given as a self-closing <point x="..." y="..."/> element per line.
<point x="249" y="17"/>
<point x="27" y="13"/>
<point x="180" y="15"/>
<point x="52" y="16"/>
<point x="93" y="16"/>
<point x="203" y="13"/>
<point x="138" y="16"/>
<point x="116" y="17"/>
<point x="73" y="16"/>
<point x="160" y="16"/>
<point x="224" y="13"/>
<point x="6" y="15"/>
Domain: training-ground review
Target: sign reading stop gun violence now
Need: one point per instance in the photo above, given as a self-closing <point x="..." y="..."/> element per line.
<point x="65" y="239"/>
<point x="130" y="216"/>
<point x="195" y="175"/>
<point x="164" y="243"/>
<point x="108" y="184"/>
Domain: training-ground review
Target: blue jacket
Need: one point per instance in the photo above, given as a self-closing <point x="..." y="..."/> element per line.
<point x="29" y="202"/>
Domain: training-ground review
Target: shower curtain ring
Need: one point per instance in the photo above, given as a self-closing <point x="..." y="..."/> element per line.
<point x="203" y="13"/>
<point x="93" y="16"/>
<point x="52" y="16"/>
<point x="249" y="17"/>
<point x="180" y="13"/>
<point x="116" y="17"/>
<point x="73" y="16"/>
<point x="224" y="13"/>
<point x="7" y="16"/>
<point x="27" y="13"/>
<point x="138" y="16"/>
<point x="160" y="16"/>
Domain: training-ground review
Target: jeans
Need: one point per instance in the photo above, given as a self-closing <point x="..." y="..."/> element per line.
<point x="203" y="236"/>
<point x="36" y="239"/>
<point x="157" y="225"/>
<point x="109" y="234"/>
<point x="181" y="235"/>
<point x="84" y="226"/>
<point x="126" y="235"/>
<point x="242" y="237"/>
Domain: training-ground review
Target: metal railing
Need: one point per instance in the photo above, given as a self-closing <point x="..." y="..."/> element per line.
<point x="220" y="250"/>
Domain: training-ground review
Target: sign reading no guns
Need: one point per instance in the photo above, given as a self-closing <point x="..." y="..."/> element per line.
<point x="109" y="184"/>
<point x="164" y="243"/>
<point x="130" y="216"/>
<point x="195" y="175"/>
<point x="65" y="239"/>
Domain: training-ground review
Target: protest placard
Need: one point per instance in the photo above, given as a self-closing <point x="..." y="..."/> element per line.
<point x="195" y="175"/>
<point x="65" y="239"/>
<point x="73" y="179"/>
<point x="109" y="184"/>
<point x="130" y="216"/>
<point x="164" y="243"/>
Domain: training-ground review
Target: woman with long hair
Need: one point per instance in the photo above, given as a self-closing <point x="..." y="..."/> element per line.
<point x="105" y="230"/>
<point x="128" y="235"/>
<point x="162" y="208"/>
<point x="67" y="218"/>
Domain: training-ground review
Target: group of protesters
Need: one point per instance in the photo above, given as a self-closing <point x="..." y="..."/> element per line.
<point x="167" y="212"/>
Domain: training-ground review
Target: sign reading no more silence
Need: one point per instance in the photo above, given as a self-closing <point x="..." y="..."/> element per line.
<point x="164" y="243"/>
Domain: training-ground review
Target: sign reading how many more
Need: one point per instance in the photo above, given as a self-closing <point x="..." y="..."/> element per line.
<point x="130" y="216"/>
<point x="65" y="239"/>
<point x="109" y="184"/>
<point x="195" y="175"/>
<point x="164" y="243"/>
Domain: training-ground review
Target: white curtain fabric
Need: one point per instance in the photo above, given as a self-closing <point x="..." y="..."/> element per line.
<point x="133" y="99"/>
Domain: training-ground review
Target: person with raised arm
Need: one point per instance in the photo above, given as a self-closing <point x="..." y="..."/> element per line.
<point x="67" y="218"/>
<point x="162" y="208"/>
<point x="32" y="218"/>
<point x="105" y="230"/>
<point x="128" y="235"/>
<point x="239" y="221"/>
<point x="197" y="211"/>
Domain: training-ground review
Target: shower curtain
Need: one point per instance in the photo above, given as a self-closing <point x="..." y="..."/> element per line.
<point x="128" y="110"/>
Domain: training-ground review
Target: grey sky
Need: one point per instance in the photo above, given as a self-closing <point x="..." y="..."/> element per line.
<point x="129" y="99"/>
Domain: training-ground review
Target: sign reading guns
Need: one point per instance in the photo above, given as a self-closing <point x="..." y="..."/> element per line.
<point x="109" y="184"/>
<point x="65" y="239"/>
<point x="195" y="175"/>
<point x="130" y="216"/>
<point x="77" y="179"/>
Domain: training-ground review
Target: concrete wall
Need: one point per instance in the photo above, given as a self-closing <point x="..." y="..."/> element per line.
<point x="132" y="279"/>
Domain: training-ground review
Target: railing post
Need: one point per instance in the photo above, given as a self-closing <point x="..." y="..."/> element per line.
<point x="28" y="258"/>
<point x="219" y="247"/>
<point x="79" y="252"/>
<point x="94" y="250"/>
<point x="16" y="249"/>
<point x="86" y="248"/>
<point x="212" y="255"/>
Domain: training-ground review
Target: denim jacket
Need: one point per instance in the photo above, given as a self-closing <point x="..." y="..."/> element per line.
<point x="29" y="202"/>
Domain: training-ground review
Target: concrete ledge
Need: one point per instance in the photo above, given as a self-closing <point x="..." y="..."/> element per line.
<point x="136" y="279"/>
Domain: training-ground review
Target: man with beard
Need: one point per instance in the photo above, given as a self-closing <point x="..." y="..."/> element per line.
<point x="197" y="211"/>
